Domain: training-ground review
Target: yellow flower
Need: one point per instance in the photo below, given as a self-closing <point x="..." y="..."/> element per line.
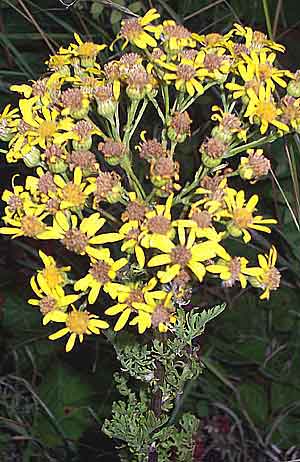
<point x="87" y="51"/>
<point x="18" y="201"/>
<point x="186" y="255"/>
<point x="29" y="225"/>
<point x="158" y="222"/>
<point x="77" y="324"/>
<point x="73" y="194"/>
<point x="188" y="76"/>
<point x="265" y="110"/>
<point x="201" y="222"/>
<point x="255" y="40"/>
<point x="161" y="316"/>
<point x="233" y="269"/>
<point x="101" y="273"/>
<point x="212" y="190"/>
<point x="51" y="275"/>
<point x="130" y="233"/>
<point x="135" y="30"/>
<point x="49" y="300"/>
<point x="241" y="214"/>
<point x="133" y="299"/>
<point x="7" y="122"/>
<point x="42" y="127"/>
<point x="260" y="66"/>
<point x="177" y="37"/>
<point x="80" y="239"/>
<point x="269" y="277"/>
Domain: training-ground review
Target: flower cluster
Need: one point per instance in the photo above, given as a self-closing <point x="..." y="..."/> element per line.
<point x="145" y="237"/>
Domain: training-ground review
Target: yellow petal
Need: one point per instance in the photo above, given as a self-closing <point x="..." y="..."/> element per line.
<point x="70" y="342"/>
<point x="122" y="320"/>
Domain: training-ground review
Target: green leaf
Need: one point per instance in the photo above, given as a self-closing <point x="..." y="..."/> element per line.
<point x="115" y="17"/>
<point x="254" y="399"/>
<point x="67" y="395"/>
<point x="136" y="7"/>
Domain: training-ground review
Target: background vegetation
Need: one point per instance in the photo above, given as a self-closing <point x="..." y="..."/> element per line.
<point x="248" y="398"/>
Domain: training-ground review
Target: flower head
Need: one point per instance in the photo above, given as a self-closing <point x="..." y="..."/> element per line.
<point x="77" y="324"/>
<point x="242" y="215"/>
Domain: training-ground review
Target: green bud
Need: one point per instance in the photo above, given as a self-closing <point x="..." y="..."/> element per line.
<point x="58" y="166"/>
<point x="83" y="145"/>
<point x="115" y="195"/>
<point x="246" y="172"/>
<point x="234" y="230"/>
<point x="222" y="134"/>
<point x="80" y="113"/>
<point x="136" y="94"/>
<point x="174" y="136"/>
<point x="32" y="158"/>
<point x="210" y="162"/>
<point x="107" y="108"/>
<point x="293" y="88"/>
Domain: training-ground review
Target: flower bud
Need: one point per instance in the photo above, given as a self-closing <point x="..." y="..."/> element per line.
<point x="234" y="230"/>
<point x="222" y="134"/>
<point x="84" y="144"/>
<point x="293" y="88"/>
<point x="59" y="166"/>
<point x="32" y="158"/>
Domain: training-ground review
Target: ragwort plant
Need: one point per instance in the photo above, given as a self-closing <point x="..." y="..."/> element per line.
<point x="141" y="241"/>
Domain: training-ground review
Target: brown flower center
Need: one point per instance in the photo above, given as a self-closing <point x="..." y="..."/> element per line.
<point x="78" y="322"/>
<point x="135" y="296"/>
<point x="86" y="160"/>
<point x="14" y="202"/>
<point x="212" y="61"/>
<point x="47" y="304"/>
<point x="180" y="255"/>
<point x="135" y="211"/>
<point x="213" y="147"/>
<point x="159" y="224"/>
<point x="181" y="123"/>
<point x="242" y="218"/>
<point x="100" y="271"/>
<point x="72" y="98"/>
<point x="185" y="72"/>
<point x="202" y="218"/>
<point x="75" y="241"/>
<point x="46" y="183"/>
<point x="111" y="148"/>
<point x="151" y="149"/>
<point x="31" y="226"/>
<point x="131" y="29"/>
<point x="160" y="315"/>
<point x="272" y="278"/>
<point x="83" y="128"/>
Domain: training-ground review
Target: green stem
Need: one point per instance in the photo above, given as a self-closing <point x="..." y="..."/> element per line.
<point x="133" y="180"/>
<point x="267" y="17"/>
<point x="189" y="101"/>
<point x="131" y="114"/>
<point x="137" y="120"/>
<point x="159" y="111"/>
<point x="117" y="119"/>
<point x="201" y="172"/>
<point x="165" y="90"/>
<point x="253" y="144"/>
